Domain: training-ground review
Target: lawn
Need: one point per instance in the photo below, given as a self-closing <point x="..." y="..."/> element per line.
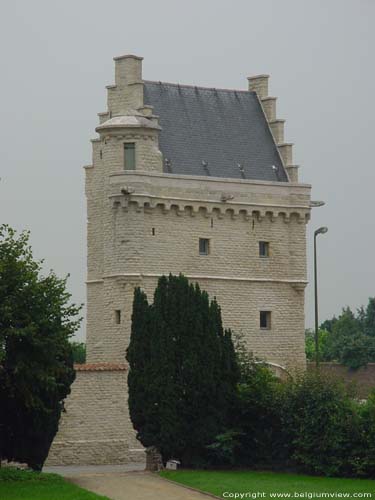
<point x="25" y="485"/>
<point x="267" y="485"/>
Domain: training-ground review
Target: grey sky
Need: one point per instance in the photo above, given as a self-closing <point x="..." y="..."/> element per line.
<point x="56" y="58"/>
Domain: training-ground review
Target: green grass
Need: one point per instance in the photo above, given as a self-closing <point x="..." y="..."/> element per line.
<point x="25" y="485"/>
<point x="265" y="484"/>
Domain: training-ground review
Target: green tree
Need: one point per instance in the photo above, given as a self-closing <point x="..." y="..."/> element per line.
<point x="328" y="324"/>
<point x="79" y="352"/>
<point x="325" y="353"/>
<point x="369" y="323"/>
<point x="183" y="371"/>
<point x="36" y="362"/>
<point x="348" y="344"/>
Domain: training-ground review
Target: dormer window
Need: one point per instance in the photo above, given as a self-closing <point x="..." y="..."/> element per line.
<point x="129" y="156"/>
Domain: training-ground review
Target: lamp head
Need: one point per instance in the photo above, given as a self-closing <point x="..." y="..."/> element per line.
<point x="321" y="230"/>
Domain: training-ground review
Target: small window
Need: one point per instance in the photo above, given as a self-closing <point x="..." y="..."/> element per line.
<point x="204" y="246"/>
<point x="153" y="231"/>
<point x="129" y="156"/>
<point x="117" y="316"/>
<point x="264" y="249"/>
<point x="265" y="320"/>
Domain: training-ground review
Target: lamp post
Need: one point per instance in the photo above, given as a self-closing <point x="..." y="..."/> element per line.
<point x="321" y="230"/>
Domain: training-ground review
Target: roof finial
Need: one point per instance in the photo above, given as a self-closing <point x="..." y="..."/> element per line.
<point x="242" y="170"/>
<point x="168" y="165"/>
<point x="205" y="166"/>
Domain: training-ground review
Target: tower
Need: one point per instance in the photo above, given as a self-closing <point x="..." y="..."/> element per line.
<point x="189" y="180"/>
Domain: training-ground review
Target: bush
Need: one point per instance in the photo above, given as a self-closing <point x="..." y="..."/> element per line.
<point x="321" y="425"/>
<point x="363" y="457"/>
<point x="309" y="423"/>
<point x="257" y="416"/>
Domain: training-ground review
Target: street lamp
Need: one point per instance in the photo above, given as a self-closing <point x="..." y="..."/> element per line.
<point x="321" y="230"/>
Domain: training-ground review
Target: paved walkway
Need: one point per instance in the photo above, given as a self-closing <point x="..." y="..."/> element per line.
<point x="79" y="470"/>
<point x="134" y="486"/>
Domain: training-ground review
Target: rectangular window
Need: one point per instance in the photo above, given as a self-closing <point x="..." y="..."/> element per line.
<point x="117" y="316"/>
<point x="204" y="246"/>
<point x="265" y="320"/>
<point x="264" y="249"/>
<point x="129" y="156"/>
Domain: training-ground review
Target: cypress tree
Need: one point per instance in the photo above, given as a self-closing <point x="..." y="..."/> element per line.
<point x="183" y="369"/>
<point x="138" y="354"/>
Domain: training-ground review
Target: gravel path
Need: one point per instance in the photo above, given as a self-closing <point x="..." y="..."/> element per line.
<point x="134" y="486"/>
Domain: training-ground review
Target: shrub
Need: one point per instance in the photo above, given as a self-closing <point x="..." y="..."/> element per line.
<point x="257" y="416"/>
<point x="321" y="425"/>
<point x="309" y="423"/>
<point x="363" y="456"/>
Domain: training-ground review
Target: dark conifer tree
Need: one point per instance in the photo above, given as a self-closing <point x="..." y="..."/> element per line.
<point x="138" y="353"/>
<point x="181" y="390"/>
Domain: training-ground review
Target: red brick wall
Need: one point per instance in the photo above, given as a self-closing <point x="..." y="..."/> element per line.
<point x="363" y="378"/>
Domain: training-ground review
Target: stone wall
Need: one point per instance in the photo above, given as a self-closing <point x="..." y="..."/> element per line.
<point x="154" y="228"/>
<point x="95" y="427"/>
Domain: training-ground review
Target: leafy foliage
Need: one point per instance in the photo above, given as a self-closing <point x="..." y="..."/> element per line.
<point x="324" y="345"/>
<point x="307" y="423"/>
<point x="183" y="370"/>
<point x="79" y="352"/>
<point x="348" y="339"/>
<point x="257" y="416"/>
<point x="36" y="362"/>
<point x="320" y="424"/>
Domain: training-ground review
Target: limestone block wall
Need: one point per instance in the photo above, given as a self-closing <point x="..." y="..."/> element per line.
<point x="154" y="229"/>
<point x="96" y="428"/>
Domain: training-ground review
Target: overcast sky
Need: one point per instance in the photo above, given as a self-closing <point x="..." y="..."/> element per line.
<point x="56" y="58"/>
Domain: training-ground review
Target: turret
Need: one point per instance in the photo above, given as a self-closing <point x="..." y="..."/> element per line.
<point x="128" y="129"/>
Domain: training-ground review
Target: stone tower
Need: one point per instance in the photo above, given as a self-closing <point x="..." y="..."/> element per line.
<point x="192" y="180"/>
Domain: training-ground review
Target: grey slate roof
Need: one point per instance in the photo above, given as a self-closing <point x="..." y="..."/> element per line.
<point x="224" y="128"/>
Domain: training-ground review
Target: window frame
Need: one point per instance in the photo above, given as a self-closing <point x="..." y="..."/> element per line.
<point x="117" y="316"/>
<point x="268" y="319"/>
<point x="207" y="246"/>
<point x="265" y="245"/>
<point x="125" y="144"/>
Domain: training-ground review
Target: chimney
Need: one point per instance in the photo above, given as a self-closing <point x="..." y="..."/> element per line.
<point x="126" y="95"/>
<point x="128" y="70"/>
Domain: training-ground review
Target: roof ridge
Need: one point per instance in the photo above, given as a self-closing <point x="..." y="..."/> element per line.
<point x="198" y="87"/>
